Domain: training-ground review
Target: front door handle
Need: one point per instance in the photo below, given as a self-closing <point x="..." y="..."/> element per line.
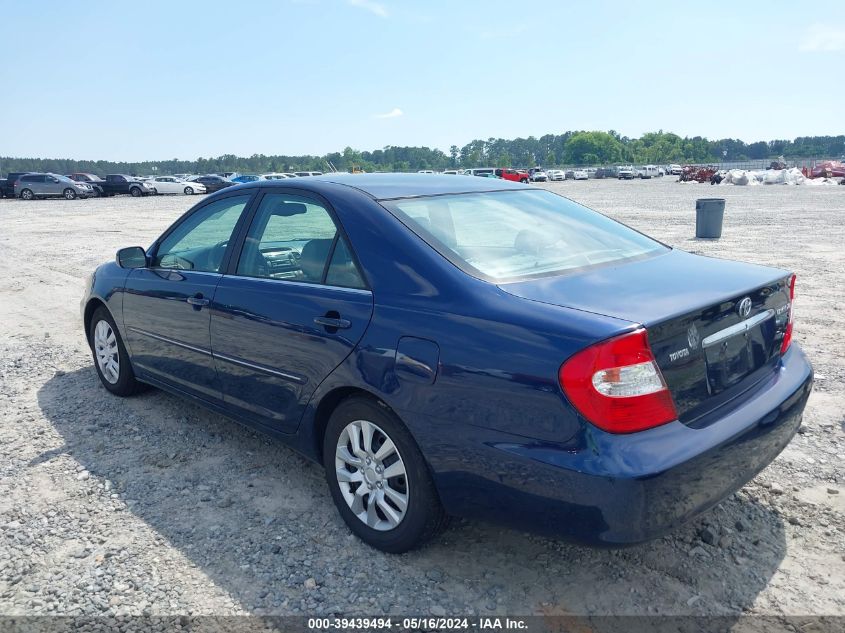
<point x="198" y="301"/>
<point x="331" y="322"/>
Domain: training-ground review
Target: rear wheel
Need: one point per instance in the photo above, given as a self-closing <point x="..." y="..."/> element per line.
<point x="110" y="357"/>
<point x="189" y="191"/>
<point x="135" y="192"/>
<point x="524" y="181"/>
<point x="379" y="479"/>
<point x="69" y="194"/>
<point x="27" y="194"/>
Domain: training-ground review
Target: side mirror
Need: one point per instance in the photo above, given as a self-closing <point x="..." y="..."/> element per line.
<point x="131" y="257"/>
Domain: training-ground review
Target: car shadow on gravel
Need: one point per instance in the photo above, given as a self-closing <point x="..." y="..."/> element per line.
<point x="257" y="519"/>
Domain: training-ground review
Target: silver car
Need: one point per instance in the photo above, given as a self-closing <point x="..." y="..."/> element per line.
<point x="31" y="186"/>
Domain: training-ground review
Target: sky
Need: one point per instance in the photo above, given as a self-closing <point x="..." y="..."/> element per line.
<point x="183" y="79"/>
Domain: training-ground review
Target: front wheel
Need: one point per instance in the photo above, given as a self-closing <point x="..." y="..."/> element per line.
<point x="69" y="194"/>
<point x="110" y="357"/>
<point x="524" y="181"/>
<point x="378" y="478"/>
<point x="189" y="191"/>
<point x="27" y="194"/>
<point x="135" y="192"/>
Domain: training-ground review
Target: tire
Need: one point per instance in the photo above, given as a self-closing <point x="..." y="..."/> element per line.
<point x="524" y="181"/>
<point x="189" y="191"/>
<point x="423" y="516"/>
<point x="69" y="194"/>
<point x="123" y="382"/>
<point x="135" y="192"/>
<point x="96" y="193"/>
<point x="27" y="194"/>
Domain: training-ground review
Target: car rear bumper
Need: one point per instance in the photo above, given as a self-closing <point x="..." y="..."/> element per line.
<point x="607" y="489"/>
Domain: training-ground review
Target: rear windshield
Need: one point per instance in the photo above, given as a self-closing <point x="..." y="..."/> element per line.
<point x="509" y="235"/>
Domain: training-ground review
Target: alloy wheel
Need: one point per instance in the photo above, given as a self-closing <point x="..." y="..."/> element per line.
<point x="105" y="347"/>
<point x="371" y="475"/>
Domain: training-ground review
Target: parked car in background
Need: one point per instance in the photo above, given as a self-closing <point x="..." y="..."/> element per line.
<point x="648" y="171"/>
<point x="307" y="173"/>
<point x="556" y="174"/>
<point x="606" y="172"/>
<point x="276" y="176"/>
<point x="214" y="183"/>
<point x="425" y="171"/>
<point x="483" y="171"/>
<point x="451" y="172"/>
<point x="172" y="184"/>
<point x="115" y="184"/>
<point x="590" y="382"/>
<point x="35" y="185"/>
<point x="515" y="175"/>
<point x="247" y="178"/>
<point x="97" y="183"/>
<point x="675" y="169"/>
<point x="591" y="172"/>
<point x="580" y="174"/>
<point x="626" y="172"/>
<point x="538" y="175"/>
<point x="7" y="185"/>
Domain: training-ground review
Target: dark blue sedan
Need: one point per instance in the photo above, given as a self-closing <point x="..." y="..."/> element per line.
<point x="462" y="346"/>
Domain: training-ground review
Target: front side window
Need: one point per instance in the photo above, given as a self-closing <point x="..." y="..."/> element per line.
<point x="295" y="238"/>
<point x="200" y="241"/>
<point x="515" y="234"/>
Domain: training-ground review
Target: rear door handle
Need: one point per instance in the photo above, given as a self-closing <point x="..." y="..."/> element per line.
<point x="198" y="301"/>
<point x="340" y="324"/>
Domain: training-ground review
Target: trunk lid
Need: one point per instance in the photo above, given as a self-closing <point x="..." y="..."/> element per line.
<point x="709" y="343"/>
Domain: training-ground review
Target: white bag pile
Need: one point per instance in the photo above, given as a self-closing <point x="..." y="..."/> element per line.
<point x="772" y="177"/>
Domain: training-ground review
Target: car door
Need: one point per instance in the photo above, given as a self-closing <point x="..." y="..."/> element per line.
<point x="165" y="306"/>
<point x="52" y="186"/>
<point x="165" y="185"/>
<point x="292" y="307"/>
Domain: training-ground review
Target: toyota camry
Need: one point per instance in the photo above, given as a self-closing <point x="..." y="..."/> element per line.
<point x="470" y="347"/>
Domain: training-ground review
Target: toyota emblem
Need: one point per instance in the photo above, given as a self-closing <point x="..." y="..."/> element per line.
<point x="743" y="308"/>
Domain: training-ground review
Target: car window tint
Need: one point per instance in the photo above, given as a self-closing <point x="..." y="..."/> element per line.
<point x="200" y="241"/>
<point x="290" y="238"/>
<point x="342" y="269"/>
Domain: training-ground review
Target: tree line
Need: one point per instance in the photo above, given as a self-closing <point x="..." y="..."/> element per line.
<point x="570" y="148"/>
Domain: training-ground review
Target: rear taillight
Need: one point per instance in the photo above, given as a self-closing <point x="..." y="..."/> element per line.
<point x="787" y="335"/>
<point x="617" y="385"/>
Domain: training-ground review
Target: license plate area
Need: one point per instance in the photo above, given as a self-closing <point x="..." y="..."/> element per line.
<point x="736" y="352"/>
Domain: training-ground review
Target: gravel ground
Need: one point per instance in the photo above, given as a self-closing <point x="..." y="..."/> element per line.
<point x="154" y="506"/>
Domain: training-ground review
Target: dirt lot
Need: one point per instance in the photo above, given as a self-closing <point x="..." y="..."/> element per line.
<point x="154" y="506"/>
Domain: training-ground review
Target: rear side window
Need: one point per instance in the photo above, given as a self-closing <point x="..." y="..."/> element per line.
<point x="294" y="238"/>
<point x="511" y="235"/>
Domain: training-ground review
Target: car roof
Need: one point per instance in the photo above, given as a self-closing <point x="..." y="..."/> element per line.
<point x="389" y="186"/>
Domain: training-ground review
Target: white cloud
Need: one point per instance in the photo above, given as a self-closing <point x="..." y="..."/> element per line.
<point x="368" y="5"/>
<point x="823" y="38"/>
<point x="395" y="112"/>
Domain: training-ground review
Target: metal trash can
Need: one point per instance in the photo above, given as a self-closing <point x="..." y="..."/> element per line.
<point x="709" y="214"/>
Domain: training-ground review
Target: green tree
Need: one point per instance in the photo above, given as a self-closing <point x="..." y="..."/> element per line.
<point x="584" y="148"/>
